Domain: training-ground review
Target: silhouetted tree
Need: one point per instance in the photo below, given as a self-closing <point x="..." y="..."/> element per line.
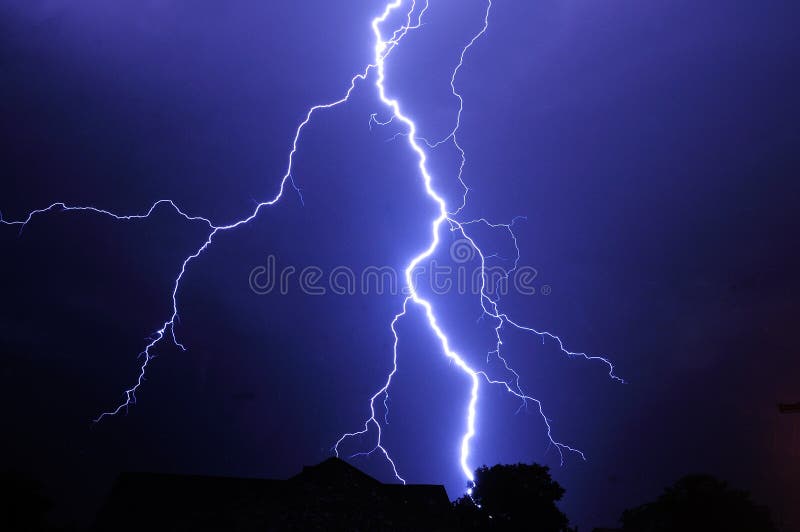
<point x="513" y="497"/>
<point x="469" y="517"/>
<point x="699" y="503"/>
<point x="23" y="507"/>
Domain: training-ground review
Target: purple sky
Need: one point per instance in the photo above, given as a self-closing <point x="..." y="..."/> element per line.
<point x="653" y="148"/>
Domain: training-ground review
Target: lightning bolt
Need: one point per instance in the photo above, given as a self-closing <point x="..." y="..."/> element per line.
<point x="489" y="305"/>
<point x="450" y="218"/>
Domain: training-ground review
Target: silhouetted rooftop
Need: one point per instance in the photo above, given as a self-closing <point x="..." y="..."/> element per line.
<point x="329" y="495"/>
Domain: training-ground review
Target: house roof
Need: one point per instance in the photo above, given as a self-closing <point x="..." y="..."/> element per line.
<point x="332" y="494"/>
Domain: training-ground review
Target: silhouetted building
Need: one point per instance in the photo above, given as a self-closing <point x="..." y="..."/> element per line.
<point x="332" y="495"/>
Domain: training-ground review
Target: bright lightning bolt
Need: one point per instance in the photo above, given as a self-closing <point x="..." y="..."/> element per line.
<point x="490" y="306"/>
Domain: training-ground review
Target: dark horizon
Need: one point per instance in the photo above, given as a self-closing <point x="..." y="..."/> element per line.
<point x="652" y="149"/>
<point x="334" y="494"/>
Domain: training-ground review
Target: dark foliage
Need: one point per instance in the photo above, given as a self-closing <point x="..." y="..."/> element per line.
<point x="513" y="497"/>
<point x="699" y="503"/>
<point x="23" y="507"/>
<point x="467" y="516"/>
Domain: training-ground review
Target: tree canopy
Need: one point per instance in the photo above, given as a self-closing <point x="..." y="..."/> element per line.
<point x="699" y="503"/>
<point x="513" y="497"/>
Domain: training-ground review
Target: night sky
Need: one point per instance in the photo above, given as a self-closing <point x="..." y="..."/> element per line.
<point x="653" y="147"/>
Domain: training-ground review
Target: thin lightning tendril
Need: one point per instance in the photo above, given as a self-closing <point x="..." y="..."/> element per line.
<point x="490" y="307"/>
